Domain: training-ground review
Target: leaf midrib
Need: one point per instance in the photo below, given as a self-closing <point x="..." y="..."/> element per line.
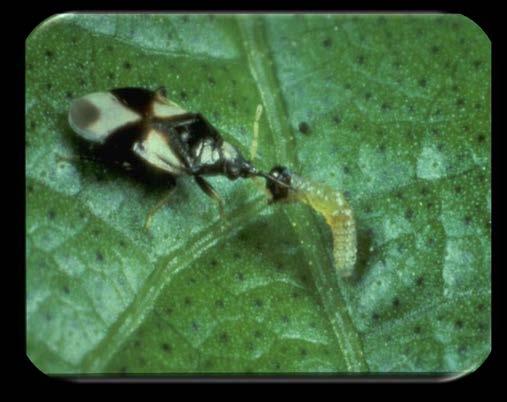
<point x="257" y="48"/>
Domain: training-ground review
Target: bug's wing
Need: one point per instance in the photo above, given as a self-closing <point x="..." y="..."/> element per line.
<point x="97" y="115"/>
<point x="156" y="151"/>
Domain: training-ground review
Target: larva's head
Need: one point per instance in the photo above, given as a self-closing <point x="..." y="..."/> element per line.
<point x="279" y="189"/>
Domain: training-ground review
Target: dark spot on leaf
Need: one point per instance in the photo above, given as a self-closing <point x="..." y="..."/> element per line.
<point x="420" y="281"/>
<point x="66" y="289"/>
<point x="127" y="65"/>
<point x="459" y="324"/>
<point x="367" y="95"/>
<point x="99" y="256"/>
<point x="422" y="83"/>
<point x="360" y="59"/>
<point x="375" y="316"/>
<point x="137" y="343"/>
<point x="481" y="138"/>
<point x="396" y="303"/>
<point x="346" y="170"/>
<point x="168" y="310"/>
<point x="285" y="319"/>
<point x="166" y="347"/>
<point x="327" y="42"/>
<point x="480" y="307"/>
<point x="187" y="301"/>
<point x="477" y="63"/>
<point x="110" y="75"/>
<point x="347" y="86"/>
<point x="257" y="334"/>
<point x="417" y="329"/>
<point x="211" y="80"/>
<point x="457" y="189"/>
<point x="258" y="303"/>
<point x="240" y="276"/>
<point x="276" y="365"/>
<point x="214" y="263"/>
<point x="49" y="53"/>
<point x="219" y="303"/>
<point x="434" y="49"/>
<point x="48" y="316"/>
<point x="409" y="213"/>
<point x="51" y="214"/>
<point x="460" y="102"/>
<point x="424" y="191"/>
<point x="68" y="95"/>
<point x="224" y="337"/>
<point x="337" y="119"/>
<point x="195" y="326"/>
<point x="385" y="107"/>
<point x="467" y="220"/>
<point x="303" y="352"/>
<point x="304" y="128"/>
<point x="183" y="95"/>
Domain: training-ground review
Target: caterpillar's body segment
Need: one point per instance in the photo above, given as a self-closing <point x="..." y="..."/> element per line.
<point x="331" y="204"/>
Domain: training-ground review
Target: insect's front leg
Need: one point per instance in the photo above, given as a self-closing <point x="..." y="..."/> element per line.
<point x="153" y="210"/>
<point x="212" y="193"/>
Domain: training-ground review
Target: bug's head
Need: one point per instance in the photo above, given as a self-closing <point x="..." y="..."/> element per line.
<point x="234" y="164"/>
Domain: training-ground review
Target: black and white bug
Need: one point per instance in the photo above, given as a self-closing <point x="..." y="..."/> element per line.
<point x="137" y="126"/>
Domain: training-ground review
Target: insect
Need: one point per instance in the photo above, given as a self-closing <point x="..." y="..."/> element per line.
<point x="141" y="128"/>
<point x="331" y="204"/>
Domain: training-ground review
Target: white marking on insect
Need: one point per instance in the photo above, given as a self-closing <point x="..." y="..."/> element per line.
<point x="155" y="151"/>
<point x="95" y="116"/>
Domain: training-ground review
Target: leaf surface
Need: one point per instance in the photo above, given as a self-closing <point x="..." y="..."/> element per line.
<point x="392" y="110"/>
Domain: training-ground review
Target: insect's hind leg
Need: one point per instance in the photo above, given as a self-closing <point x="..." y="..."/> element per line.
<point x="212" y="193"/>
<point x="153" y="210"/>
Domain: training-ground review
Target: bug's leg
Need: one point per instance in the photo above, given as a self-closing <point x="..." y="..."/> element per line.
<point x="153" y="210"/>
<point x="211" y="192"/>
<point x="76" y="158"/>
<point x="161" y="91"/>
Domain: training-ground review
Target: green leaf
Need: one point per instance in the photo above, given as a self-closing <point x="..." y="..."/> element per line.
<point x="392" y="110"/>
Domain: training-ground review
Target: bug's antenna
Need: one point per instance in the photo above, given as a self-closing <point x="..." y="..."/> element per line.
<point x="255" y="139"/>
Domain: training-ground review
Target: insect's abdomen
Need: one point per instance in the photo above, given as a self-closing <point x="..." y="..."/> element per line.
<point x="335" y="209"/>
